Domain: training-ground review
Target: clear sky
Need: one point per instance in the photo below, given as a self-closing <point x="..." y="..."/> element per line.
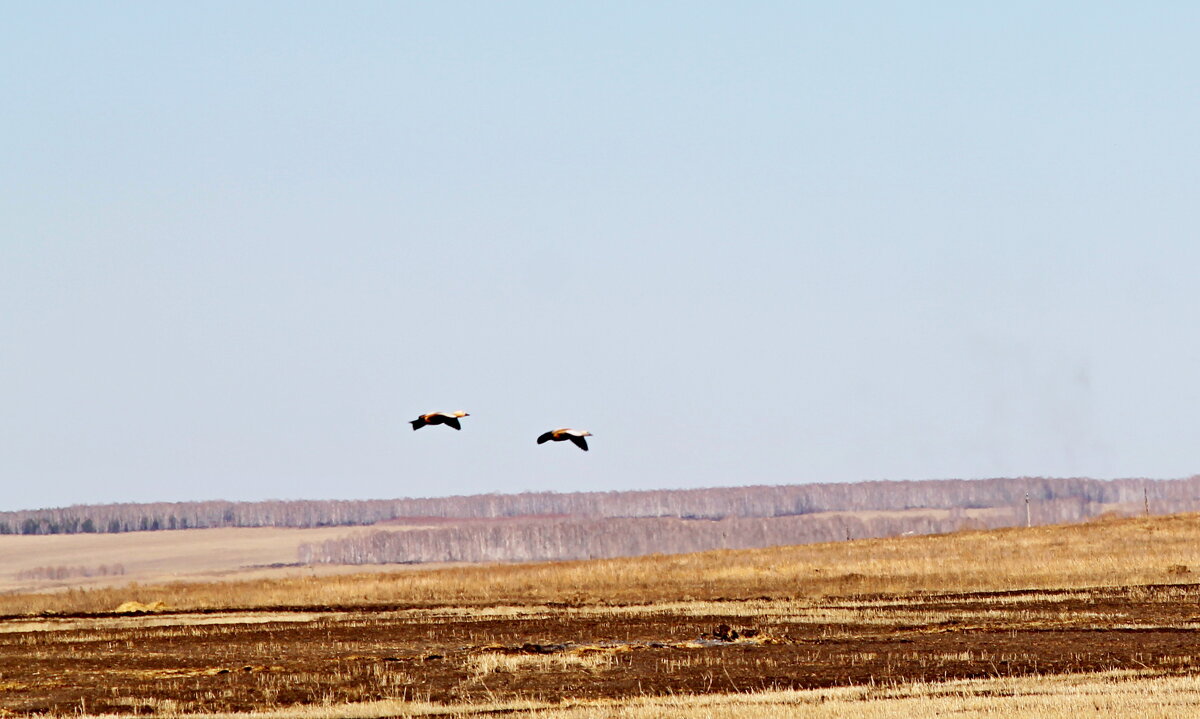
<point x="242" y="244"/>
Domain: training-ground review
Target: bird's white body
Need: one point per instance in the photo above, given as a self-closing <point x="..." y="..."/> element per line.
<point x="447" y="418"/>
<point x="448" y="415"/>
<point x="576" y="436"/>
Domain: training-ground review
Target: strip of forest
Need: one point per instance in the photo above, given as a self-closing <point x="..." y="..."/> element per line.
<point x="527" y="539"/>
<point x="541" y="539"/>
<point x="1051" y="500"/>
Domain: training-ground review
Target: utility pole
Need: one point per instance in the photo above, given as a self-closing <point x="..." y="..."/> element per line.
<point x="1146" y="500"/>
<point x="1028" y="519"/>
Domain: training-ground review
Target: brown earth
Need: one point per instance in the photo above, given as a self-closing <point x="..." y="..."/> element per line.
<point x="258" y="658"/>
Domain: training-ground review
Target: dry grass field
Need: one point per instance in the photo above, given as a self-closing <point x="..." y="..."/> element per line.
<point x="1104" y="694"/>
<point x="31" y="563"/>
<point x="1120" y="552"/>
<point x="1100" y="618"/>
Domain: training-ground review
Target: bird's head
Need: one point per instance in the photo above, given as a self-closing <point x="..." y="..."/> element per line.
<point x="461" y="413"/>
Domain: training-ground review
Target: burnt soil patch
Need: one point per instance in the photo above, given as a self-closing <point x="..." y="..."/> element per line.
<point x="556" y="653"/>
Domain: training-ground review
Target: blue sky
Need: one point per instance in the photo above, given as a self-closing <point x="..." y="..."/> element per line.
<point x="242" y="244"/>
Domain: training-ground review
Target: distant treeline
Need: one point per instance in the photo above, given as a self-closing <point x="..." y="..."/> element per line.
<point x="536" y="539"/>
<point x="64" y="572"/>
<point x="525" y="540"/>
<point x="1080" y="494"/>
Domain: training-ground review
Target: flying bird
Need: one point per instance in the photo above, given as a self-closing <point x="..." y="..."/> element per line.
<point x="449" y="419"/>
<point x="558" y="435"/>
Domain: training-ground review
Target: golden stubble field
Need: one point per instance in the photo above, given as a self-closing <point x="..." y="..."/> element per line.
<point x="32" y="563"/>
<point x="1050" y="621"/>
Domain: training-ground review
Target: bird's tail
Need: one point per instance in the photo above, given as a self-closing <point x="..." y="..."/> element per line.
<point x="417" y="423"/>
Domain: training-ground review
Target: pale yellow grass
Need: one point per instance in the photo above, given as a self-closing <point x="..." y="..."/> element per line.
<point x="817" y="610"/>
<point x="165" y="556"/>
<point x="492" y="663"/>
<point x="1103" y="695"/>
<point x="64" y="624"/>
<point x="858" y="612"/>
<point x="1112" y="553"/>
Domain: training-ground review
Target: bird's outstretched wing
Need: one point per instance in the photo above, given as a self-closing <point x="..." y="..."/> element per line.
<point x="546" y="437"/>
<point x="452" y="422"/>
<point x="579" y="441"/>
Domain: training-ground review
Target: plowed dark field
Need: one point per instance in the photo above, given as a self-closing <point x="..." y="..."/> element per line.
<point x="277" y="657"/>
